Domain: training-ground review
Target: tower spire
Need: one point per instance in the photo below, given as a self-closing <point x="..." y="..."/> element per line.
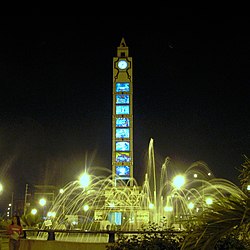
<point x="122" y="117"/>
<point x="122" y="50"/>
<point x="123" y="43"/>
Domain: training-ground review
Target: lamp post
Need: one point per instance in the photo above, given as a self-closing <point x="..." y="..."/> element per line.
<point x="178" y="182"/>
<point x="84" y="180"/>
<point x="34" y="211"/>
<point x="42" y="203"/>
<point x="26" y="200"/>
<point x="11" y="204"/>
<point x="10" y="210"/>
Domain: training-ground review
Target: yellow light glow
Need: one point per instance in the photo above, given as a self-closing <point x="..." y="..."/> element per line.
<point x="190" y="205"/>
<point x="112" y="204"/>
<point x="84" y="180"/>
<point x="34" y="211"/>
<point x="168" y="209"/>
<point x="51" y="214"/>
<point x="178" y="181"/>
<point x="42" y="202"/>
<point x="209" y="201"/>
<point x="151" y="206"/>
<point x="86" y="208"/>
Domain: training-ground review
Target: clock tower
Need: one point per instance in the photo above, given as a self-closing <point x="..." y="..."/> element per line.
<point x="122" y="117"/>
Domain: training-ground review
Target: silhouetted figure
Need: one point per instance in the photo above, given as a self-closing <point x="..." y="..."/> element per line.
<point x="15" y="231"/>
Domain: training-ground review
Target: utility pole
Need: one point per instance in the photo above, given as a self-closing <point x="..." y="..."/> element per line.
<point x="12" y="204"/>
<point x="25" y="199"/>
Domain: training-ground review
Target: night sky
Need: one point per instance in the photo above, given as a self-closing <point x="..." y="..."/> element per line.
<point x="191" y="94"/>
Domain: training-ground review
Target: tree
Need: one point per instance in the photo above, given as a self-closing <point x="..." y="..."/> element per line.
<point x="151" y="237"/>
<point x="30" y="220"/>
<point x="226" y="222"/>
<point x="225" y="225"/>
<point x="244" y="176"/>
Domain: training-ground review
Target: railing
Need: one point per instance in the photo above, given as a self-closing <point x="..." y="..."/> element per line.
<point x="51" y="233"/>
<point x="4" y="239"/>
<point x="111" y="234"/>
<point x="3" y="234"/>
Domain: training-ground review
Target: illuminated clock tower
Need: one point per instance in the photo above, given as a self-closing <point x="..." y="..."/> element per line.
<point x="122" y="118"/>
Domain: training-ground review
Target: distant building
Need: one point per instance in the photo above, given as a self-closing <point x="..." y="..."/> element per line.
<point x="18" y="207"/>
<point x="34" y="194"/>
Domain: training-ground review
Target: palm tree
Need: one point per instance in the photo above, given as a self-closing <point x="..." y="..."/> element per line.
<point x="244" y="176"/>
<point x="228" y="219"/>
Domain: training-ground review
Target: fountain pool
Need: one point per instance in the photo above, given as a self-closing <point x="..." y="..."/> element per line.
<point x="158" y="200"/>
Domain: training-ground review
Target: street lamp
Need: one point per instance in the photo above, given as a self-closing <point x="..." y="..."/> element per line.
<point x="209" y="200"/>
<point x="42" y="202"/>
<point x="51" y="214"/>
<point x="84" y="180"/>
<point x="61" y="191"/>
<point x="1" y="188"/>
<point x="190" y="205"/>
<point x="86" y="208"/>
<point x="178" y="181"/>
<point x="34" y="211"/>
<point x="151" y="206"/>
<point x="168" y="209"/>
<point x="10" y="208"/>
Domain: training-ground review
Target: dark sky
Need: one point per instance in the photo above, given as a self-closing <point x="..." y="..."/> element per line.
<point x="191" y="93"/>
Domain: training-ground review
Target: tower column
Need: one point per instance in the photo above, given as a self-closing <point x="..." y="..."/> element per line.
<point x="122" y="117"/>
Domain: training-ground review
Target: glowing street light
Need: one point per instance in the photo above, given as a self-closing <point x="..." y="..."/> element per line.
<point x="34" y="211"/>
<point x="51" y="214"/>
<point x="190" y="205"/>
<point x="209" y="201"/>
<point x="42" y="202"/>
<point x="86" y="208"/>
<point x="84" y="180"/>
<point x="151" y="206"/>
<point x="168" y="209"/>
<point x="1" y="187"/>
<point x="178" y="181"/>
<point x="112" y="204"/>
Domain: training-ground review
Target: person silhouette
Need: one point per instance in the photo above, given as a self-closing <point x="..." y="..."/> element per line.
<point x="15" y="232"/>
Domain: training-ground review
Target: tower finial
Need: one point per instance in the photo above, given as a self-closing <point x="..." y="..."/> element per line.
<point x="123" y="43"/>
<point x="122" y="50"/>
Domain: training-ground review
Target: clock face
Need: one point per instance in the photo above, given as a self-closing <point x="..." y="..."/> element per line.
<point x="122" y="64"/>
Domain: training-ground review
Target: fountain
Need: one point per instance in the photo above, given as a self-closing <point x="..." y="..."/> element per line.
<point x="101" y="204"/>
